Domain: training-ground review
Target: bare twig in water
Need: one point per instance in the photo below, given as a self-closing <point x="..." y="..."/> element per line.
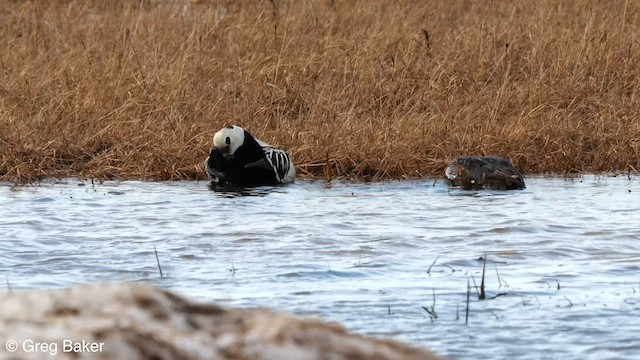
<point x="498" y="294"/>
<point x="433" y="291"/>
<point x="158" y="260"/>
<point x="498" y="275"/>
<point x="466" y="316"/>
<point x="452" y="269"/>
<point x="482" y="294"/>
<point x="457" y="312"/>
<point x="432" y="314"/>
<point x="431" y="310"/>
<point x="475" y="286"/>
<point x="388" y="310"/>
<point x="570" y="303"/>
<point x="233" y="268"/>
<point x="558" y="288"/>
<point x="433" y="263"/>
<point x="494" y="314"/>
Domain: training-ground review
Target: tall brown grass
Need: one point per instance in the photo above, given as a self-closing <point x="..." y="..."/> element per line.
<point x="373" y="88"/>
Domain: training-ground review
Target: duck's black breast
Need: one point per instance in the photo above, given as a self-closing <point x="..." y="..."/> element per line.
<point x="216" y="160"/>
<point x="234" y="170"/>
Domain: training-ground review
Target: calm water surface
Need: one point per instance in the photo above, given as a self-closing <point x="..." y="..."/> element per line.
<point x="562" y="270"/>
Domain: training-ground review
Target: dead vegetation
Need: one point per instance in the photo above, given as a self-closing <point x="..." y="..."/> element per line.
<point x="357" y="89"/>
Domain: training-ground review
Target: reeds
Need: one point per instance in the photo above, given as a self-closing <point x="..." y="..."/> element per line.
<point x="357" y="89"/>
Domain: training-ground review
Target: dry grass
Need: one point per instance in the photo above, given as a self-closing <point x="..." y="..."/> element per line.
<point x="136" y="89"/>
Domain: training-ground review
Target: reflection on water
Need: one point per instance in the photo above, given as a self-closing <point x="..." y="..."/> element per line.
<point x="562" y="271"/>
<point x="231" y="191"/>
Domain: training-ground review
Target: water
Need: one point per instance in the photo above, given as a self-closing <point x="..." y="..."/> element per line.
<point x="562" y="271"/>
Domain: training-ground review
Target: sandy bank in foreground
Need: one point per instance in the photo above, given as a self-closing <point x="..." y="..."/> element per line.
<point x="138" y="321"/>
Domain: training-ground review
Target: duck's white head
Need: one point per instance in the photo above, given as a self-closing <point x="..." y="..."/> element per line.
<point x="229" y="139"/>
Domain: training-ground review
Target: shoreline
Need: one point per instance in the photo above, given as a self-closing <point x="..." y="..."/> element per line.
<point x="83" y="181"/>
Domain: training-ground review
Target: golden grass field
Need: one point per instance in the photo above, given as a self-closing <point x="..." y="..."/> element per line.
<point x="371" y="89"/>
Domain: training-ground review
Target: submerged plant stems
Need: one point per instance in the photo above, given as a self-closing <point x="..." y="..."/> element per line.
<point x="466" y="315"/>
<point x="158" y="261"/>
<point x="482" y="294"/>
<point x="352" y="89"/>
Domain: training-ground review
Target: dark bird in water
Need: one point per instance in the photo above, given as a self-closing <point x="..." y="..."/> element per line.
<point x="490" y="172"/>
<point x="237" y="158"/>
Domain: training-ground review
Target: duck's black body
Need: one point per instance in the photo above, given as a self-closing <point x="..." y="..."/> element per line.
<point x="490" y="172"/>
<point x="251" y="164"/>
<point x="236" y="172"/>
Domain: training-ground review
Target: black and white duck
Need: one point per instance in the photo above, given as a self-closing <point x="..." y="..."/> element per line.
<point x="237" y="158"/>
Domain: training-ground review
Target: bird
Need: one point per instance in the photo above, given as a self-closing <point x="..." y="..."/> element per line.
<point x="237" y="158"/>
<point x="486" y="172"/>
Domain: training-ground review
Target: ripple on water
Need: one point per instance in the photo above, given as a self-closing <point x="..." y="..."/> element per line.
<point x="371" y="256"/>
